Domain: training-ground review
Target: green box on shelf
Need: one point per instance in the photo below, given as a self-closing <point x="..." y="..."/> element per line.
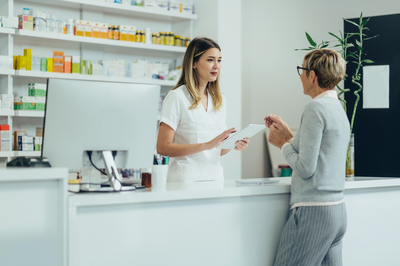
<point x="28" y="106"/>
<point x="37" y="90"/>
<point x="40" y="103"/>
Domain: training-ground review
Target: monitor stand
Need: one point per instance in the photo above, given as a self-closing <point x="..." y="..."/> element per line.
<point x="111" y="170"/>
<point x="113" y="175"/>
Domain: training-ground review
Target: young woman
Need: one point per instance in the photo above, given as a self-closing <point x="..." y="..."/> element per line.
<point x="193" y="118"/>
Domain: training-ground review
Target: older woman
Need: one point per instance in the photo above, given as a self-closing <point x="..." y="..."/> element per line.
<point x="317" y="154"/>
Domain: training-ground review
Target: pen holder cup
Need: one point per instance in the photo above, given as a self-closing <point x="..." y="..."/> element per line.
<point x="159" y="178"/>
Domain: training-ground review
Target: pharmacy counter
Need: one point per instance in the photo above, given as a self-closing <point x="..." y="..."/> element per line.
<point x="33" y="216"/>
<point x="220" y="224"/>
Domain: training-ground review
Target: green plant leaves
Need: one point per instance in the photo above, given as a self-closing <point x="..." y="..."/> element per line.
<point x="310" y="40"/>
<point x="368" y="61"/>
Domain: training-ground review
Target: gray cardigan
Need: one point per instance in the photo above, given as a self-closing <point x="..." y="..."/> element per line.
<point x="318" y="152"/>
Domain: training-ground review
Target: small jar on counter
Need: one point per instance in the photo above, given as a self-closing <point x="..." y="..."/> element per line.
<point x="146" y="177"/>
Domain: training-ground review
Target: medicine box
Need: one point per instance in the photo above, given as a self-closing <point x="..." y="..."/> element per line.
<point x="87" y="28"/>
<point x="96" y="29"/>
<point x="28" y="103"/>
<point x="9" y="22"/>
<point x="7" y="101"/>
<point x="132" y="34"/>
<point x="39" y="132"/>
<point x="38" y="143"/>
<point x="5" y="138"/>
<point x="49" y="64"/>
<point x="58" y="61"/>
<point x="25" y="22"/>
<point x="79" y="28"/>
<point x="6" y="62"/>
<point x="67" y="64"/>
<point x="27" y="143"/>
<point x="37" y="89"/>
<point x="104" y="31"/>
<point x="16" y="141"/>
<point x="124" y="31"/>
<point x="40" y="103"/>
<point x="28" y="56"/>
<point x="76" y="64"/>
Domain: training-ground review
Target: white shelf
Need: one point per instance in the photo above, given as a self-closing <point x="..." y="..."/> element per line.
<point x="6" y="153"/>
<point x="102" y="42"/>
<point x="7" y="30"/>
<point x="121" y="9"/>
<point x="22" y="113"/>
<point x="6" y="113"/>
<point x="23" y="73"/>
<point x="27" y="153"/>
<point x="7" y="71"/>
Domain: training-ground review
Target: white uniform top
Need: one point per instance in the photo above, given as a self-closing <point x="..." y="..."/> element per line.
<point x="192" y="127"/>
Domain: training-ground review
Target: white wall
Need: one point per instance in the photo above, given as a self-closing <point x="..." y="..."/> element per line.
<point x="224" y="27"/>
<point x="271" y="30"/>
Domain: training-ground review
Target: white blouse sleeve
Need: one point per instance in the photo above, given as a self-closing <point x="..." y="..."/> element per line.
<point x="171" y="110"/>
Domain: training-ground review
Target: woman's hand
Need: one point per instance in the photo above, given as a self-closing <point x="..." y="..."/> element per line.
<point x="217" y="140"/>
<point x="242" y="144"/>
<point x="279" y="133"/>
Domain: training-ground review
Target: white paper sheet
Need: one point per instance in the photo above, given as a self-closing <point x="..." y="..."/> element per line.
<point x="376" y="87"/>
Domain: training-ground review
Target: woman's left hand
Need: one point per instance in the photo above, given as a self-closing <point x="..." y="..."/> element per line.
<point x="242" y="144"/>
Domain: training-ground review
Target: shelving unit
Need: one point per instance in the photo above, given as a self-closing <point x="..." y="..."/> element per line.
<point x="43" y="44"/>
<point x="100" y="42"/>
<point x="29" y="113"/>
<point x="7" y="31"/>
<point x="7" y="113"/>
<point x="35" y="74"/>
<point x="121" y="9"/>
<point x="5" y="72"/>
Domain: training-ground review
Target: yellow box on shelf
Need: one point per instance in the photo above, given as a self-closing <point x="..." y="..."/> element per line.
<point x="28" y="55"/>
<point x="49" y="64"/>
<point x="21" y="62"/>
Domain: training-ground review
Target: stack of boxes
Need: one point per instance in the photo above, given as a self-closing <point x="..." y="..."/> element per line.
<point x="60" y="63"/>
<point x="36" y="99"/>
<point x="22" y="142"/>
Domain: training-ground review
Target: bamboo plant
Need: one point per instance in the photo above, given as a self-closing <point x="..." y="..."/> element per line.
<point x="349" y="51"/>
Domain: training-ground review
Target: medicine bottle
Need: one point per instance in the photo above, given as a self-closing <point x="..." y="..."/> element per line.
<point x="142" y="36"/>
<point x="166" y="38"/>
<point x="161" y="37"/>
<point x="116" y="32"/>
<point x="110" y="32"/>
<point x="146" y="177"/>
<point x="138" y="36"/>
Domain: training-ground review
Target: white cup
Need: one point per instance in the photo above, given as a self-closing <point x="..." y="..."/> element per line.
<point x="159" y="175"/>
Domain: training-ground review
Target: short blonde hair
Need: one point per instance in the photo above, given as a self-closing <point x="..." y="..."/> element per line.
<point x="197" y="47"/>
<point x="328" y="65"/>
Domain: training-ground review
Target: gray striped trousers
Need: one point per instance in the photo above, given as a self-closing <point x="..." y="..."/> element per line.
<point x="313" y="236"/>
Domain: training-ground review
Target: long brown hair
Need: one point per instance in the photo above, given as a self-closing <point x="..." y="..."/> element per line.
<point x="190" y="79"/>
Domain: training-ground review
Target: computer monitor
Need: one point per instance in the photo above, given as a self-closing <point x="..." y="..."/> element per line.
<point x="101" y="117"/>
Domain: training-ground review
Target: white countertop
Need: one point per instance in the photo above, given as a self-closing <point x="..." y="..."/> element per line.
<point x="32" y="174"/>
<point x="209" y="190"/>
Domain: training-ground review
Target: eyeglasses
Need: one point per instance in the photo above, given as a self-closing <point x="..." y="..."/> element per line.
<point x="300" y="70"/>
